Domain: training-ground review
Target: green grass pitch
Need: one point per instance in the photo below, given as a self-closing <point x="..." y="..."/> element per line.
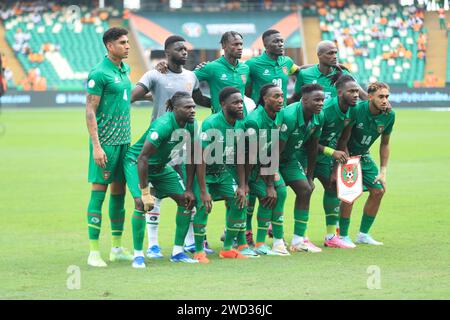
<point x="44" y="195"/>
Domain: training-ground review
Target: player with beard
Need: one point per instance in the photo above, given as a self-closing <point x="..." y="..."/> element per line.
<point x="367" y="121"/>
<point x="221" y="135"/>
<point x="147" y="162"/>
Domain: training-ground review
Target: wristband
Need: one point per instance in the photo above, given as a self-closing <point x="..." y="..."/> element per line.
<point x="328" y="151"/>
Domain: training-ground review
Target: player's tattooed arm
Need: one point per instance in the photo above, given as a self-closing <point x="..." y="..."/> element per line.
<point x="92" y="102"/>
<point x="140" y="93"/>
<point x="200" y="99"/>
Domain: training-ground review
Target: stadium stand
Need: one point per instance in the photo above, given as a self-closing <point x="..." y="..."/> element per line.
<point x="387" y="45"/>
<point x="55" y="49"/>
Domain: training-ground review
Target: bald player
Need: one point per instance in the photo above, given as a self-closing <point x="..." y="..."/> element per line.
<point x="325" y="73"/>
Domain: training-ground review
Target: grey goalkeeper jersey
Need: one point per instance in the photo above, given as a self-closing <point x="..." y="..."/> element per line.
<point x="163" y="86"/>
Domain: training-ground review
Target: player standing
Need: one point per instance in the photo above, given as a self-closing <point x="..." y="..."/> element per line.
<point x="301" y="125"/>
<point x="160" y="87"/>
<point x="227" y="71"/>
<point x="368" y="120"/>
<point x="108" y="122"/>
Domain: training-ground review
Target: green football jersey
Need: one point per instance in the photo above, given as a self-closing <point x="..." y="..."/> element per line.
<point x="334" y="123"/>
<point x="367" y="128"/>
<point x="313" y="75"/>
<point x="295" y="132"/>
<point x="113" y="85"/>
<point x="259" y="126"/>
<point x="220" y="74"/>
<point x="217" y="127"/>
<point x="160" y="135"/>
<point x="264" y="70"/>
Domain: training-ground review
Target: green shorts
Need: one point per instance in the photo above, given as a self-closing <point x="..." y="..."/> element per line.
<point x="113" y="172"/>
<point x="221" y="186"/>
<point x="258" y="187"/>
<point x="323" y="168"/>
<point x="369" y="172"/>
<point x="165" y="180"/>
<point x="292" y="170"/>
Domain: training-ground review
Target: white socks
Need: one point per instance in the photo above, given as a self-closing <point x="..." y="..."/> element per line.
<point x="190" y="239"/>
<point x="297" y="239"/>
<point x="176" y="250"/>
<point x="152" y="219"/>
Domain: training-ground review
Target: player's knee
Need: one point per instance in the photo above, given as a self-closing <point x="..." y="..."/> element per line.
<point x="378" y="193"/>
<point x="138" y="204"/>
<point x="304" y="192"/>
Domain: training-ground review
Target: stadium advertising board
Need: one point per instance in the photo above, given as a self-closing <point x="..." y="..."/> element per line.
<point x="400" y="97"/>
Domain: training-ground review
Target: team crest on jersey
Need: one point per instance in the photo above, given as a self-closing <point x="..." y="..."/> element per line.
<point x="349" y="174"/>
<point x="224" y="76"/>
<point x="189" y="86"/>
<point x="244" y="78"/>
<point x="91" y="83"/>
<point x="285" y="70"/>
<point x="106" y="175"/>
<point x="283" y="127"/>
<point x="380" y="129"/>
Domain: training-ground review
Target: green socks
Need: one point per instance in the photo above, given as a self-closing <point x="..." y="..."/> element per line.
<point x="331" y="206"/>
<point x="250" y="209"/>
<point x="235" y="222"/>
<point x="366" y="223"/>
<point x="94" y="217"/>
<point x="117" y="217"/>
<point x="200" y="221"/>
<point x="138" y="225"/>
<point x="263" y="217"/>
<point x="182" y="222"/>
<point x="301" y="218"/>
<point x="344" y="223"/>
